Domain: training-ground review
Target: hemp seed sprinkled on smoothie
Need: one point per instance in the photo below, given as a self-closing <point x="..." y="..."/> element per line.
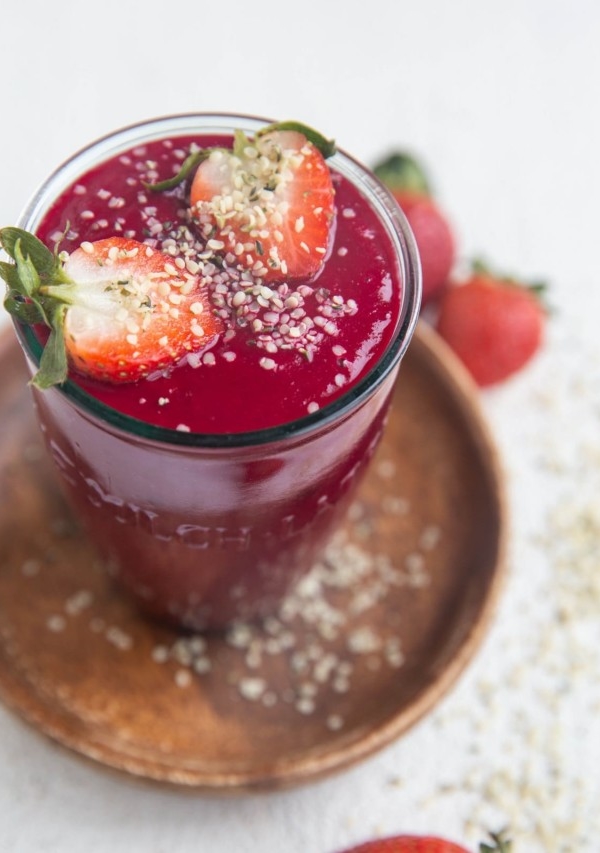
<point x="239" y="228"/>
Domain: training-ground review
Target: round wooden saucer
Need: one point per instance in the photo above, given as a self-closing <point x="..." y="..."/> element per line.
<point x="367" y="645"/>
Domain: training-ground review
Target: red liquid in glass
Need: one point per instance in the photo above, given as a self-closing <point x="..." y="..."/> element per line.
<point x="234" y="394"/>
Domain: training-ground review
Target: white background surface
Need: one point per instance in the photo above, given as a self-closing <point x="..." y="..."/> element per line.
<point x="501" y="102"/>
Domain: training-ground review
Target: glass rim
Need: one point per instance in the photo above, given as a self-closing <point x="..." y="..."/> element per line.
<point x="183" y="124"/>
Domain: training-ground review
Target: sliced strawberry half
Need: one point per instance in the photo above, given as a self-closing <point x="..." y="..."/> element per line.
<point x="118" y="310"/>
<point x="269" y="202"/>
<point x="135" y="312"/>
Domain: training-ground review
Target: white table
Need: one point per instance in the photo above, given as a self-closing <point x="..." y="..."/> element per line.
<point x="500" y="101"/>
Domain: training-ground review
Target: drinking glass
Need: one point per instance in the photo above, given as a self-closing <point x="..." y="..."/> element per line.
<point x="208" y="529"/>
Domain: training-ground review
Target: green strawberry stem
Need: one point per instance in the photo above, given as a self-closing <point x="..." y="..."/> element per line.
<point x="401" y="173"/>
<point x="65" y="292"/>
<point x="38" y="291"/>
<point x="193" y="160"/>
<point x="538" y="288"/>
<point x="501" y="844"/>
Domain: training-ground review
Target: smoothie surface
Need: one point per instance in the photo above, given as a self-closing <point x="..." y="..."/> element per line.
<point x="257" y="373"/>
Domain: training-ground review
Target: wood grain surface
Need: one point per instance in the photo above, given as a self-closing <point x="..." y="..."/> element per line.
<point x="427" y="534"/>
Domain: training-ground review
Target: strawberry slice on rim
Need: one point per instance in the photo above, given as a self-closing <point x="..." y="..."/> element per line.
<point x="118" y="310"/>
<point x="269" y="202"/>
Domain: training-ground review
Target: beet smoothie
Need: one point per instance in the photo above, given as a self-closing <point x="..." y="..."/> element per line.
<point x="244" y="382"/>
<point x="213" y="484"/>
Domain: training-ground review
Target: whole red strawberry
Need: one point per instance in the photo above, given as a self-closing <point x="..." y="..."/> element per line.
<point x="433" y="234"/>
<point x="409" y="844"/>
<point x="429" y="844"/>
<point x="494" y="325"/>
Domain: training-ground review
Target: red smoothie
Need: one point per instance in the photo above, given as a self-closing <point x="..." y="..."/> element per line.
<point x="254" y="377"/>
<point x="213" y="486"/>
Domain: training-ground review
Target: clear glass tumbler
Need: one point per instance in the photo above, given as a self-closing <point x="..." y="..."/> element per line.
<point x="207" y="529"/>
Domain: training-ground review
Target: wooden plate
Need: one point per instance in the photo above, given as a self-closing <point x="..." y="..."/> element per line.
<point x="367" y="645"/>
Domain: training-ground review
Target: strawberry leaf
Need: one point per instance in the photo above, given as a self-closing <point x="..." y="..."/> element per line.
<point x="28" y="275"/>
<point x="479" y="266"/>
<point x="500" y="843"/>
<point x="539" y="289"/>
<point x="38" y="289"/>
<point x="41" y="257"/>
<point x="53" y="363"/>
<point x="10" y="275"/>
<point x="25" y="312"/>
<point x="402" y="173"/>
